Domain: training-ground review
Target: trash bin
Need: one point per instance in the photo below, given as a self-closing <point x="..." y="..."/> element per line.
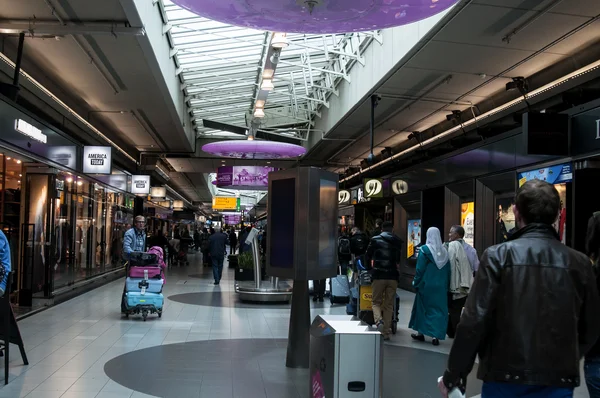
<point x="346" y="358"/>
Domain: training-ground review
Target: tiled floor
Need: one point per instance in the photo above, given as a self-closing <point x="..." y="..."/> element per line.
<point x="69" y="345"/>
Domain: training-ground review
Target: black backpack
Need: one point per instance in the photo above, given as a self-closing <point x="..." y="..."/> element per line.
<point x="361" y="242"/>
<point x="344" y="246"/>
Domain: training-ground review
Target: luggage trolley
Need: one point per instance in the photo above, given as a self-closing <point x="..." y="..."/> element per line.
<point x="143" y="287"/>
<point x="364" y="310"/>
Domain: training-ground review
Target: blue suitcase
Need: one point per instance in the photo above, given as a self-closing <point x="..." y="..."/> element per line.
<point x="137" y="285"/>
<point x="147" y="303"/>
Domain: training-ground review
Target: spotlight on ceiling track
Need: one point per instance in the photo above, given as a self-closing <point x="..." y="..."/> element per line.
<point x="275" y="57"/>
<point x="455" y="115"/>
<point x="518" y="83"/>
<point x="279" y="40"/>
<point x="386" y="152"/>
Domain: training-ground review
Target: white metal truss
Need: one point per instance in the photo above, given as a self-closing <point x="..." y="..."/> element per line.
<point x="220" y="65"/>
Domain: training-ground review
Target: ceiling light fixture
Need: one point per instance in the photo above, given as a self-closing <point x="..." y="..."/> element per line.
<point x="279" y="40"/>
<point x="547" y="87"/>
<point x="267" y="85"/>
<point x="258" y="112"/>
<point x="260" y="104"/>
<point x="268" y="73"/>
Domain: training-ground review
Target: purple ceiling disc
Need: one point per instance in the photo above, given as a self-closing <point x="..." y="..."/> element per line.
<point x="316" y="16"/>
<point x="252" y="149"/>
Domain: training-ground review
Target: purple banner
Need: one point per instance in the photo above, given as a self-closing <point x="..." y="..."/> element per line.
<point x="244" y="177"/>
<point x="231" y="219"/>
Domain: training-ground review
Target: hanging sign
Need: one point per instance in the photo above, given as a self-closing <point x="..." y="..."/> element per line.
<point x="140" y="185"/>
<point x="226" y="203"/>
<point x="343" y="197"/>
<point x="373" y="188"/>
<point x="97" y="159"/>
<point x="158" y="192"/>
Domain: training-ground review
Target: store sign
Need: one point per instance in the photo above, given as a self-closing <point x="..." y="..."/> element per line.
<point x="225" y="203"/>
<point x="399" y="187"/>
<point x="343" y="197"/>
<point x="97" y="159"/>
<point x="158" y="192"/>
<point x="65" y="155"/>
<point x="558" y="174"/>
<point x="140" y="185"/>
<point x="373" y="188"/>
<point x="31" y="131"/>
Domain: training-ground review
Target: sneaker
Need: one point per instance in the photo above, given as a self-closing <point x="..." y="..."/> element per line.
<point x="435" y="342"/>
<point x="379" y="325"/>
<point x="418" y="337"/>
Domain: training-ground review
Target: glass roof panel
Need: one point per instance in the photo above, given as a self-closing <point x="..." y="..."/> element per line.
<point x="221" y="66"/>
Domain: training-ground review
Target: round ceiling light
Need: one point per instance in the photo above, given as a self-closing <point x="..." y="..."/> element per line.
<point x="316" y="16"/>
<point x="247" y="149"/>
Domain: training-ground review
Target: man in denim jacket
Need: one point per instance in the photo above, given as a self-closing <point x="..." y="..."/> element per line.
<point x="5" y="260"/>
<point x="135" y="238"/>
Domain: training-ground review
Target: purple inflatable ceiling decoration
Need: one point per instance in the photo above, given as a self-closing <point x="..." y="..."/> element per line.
<point x="316" y="16"/>
<point x="251" y="149"/>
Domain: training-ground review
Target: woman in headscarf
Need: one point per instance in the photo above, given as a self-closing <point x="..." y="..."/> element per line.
<point x="430" y="310"/>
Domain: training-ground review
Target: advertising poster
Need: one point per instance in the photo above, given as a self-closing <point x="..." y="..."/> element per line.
<point x="414" y="238"/>
<point x="467" y="221"/>
<point x="558" y="174"/>
<point x="505" y="219"/>
<point x="244" y="177"/>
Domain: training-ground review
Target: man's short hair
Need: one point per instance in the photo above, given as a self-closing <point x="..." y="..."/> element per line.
<point x="460" y="231"/>
<point x="387" y="226"/>
<point x="140" y="218"/>
<point x="538" y="202"/>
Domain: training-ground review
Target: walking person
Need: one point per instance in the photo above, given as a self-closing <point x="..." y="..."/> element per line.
<point x="217" y="243"/>
<point x="463" y="264"/>
<point x="592" y="359"/>
<point x="233" y="241"/>
<point x="429" y="315"/>
<point x="384" y="251"/>
<point x="532" y="312"/>
<point x="344" y="252"/>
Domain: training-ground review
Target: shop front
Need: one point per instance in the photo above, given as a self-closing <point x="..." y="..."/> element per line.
<point x="65" y="226"/>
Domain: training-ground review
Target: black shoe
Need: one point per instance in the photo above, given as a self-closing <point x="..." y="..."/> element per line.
<point x="216" y="283"/>
<point x="315" y="298"/>
<point x="418" y="337"/>
<point x="320" y="299"/>
<point x="435" y="342"/>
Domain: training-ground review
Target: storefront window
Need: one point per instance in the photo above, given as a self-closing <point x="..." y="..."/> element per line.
<point x="63" y="231"/>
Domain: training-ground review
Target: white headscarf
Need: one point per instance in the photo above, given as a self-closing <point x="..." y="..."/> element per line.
<point x="434" y="242"/>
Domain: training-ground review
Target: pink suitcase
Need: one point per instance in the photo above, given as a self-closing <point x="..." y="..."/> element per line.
<point x="148" y="272"/>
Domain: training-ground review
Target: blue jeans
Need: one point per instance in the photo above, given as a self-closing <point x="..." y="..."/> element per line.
<point x="507" y="390"/>
<point x="592" y="376"/>
<point x="217" y="266"/>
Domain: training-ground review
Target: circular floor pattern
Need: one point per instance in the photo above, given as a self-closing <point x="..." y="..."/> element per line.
<point x="255" y="368"/>
<point x="219" y="298"/>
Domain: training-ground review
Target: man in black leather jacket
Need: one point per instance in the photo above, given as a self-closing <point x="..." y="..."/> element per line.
<point x="532" y="311"/>
<point x="384" y="252"/>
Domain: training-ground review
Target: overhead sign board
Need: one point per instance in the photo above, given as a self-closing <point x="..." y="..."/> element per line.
<point x="97" y="159"/>
<point x="226" y="203"/>
<point x="373" y="188"/>
<point x="140" y="185"/>
<point x="558" y="174"/>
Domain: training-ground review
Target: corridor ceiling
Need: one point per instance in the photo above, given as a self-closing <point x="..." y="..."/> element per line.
<point x="464" y="63"/>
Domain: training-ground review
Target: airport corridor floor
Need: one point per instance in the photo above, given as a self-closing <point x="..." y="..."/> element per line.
<point x="207" y="344"/>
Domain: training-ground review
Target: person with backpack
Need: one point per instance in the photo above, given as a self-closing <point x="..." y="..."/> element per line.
<point x="344" y="252"/>
<point x="359" y="241"/>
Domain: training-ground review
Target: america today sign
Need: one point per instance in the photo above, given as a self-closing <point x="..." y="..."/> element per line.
<point x="97" y="159"/>
<point x="140" y="184"/>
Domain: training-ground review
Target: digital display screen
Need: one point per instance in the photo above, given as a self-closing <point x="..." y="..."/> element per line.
<point x="283" y="208"/>
<point x="328" y="210"/>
